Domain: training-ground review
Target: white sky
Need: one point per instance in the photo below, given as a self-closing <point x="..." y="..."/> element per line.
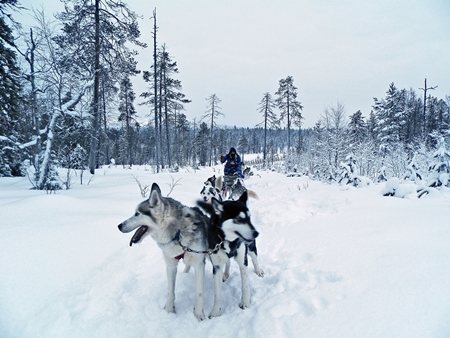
<point x="347" y="51"/>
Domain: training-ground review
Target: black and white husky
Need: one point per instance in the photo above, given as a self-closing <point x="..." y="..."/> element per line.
<point x="231" y="230"/>
<point x="184" y="232"/>
<point x="212" y="189"/>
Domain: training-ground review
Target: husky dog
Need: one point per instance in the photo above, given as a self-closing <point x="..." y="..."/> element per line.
<point x="207" y="195"/>
<point x="180" y="232"/>
<point x="247" y="172"/>
<point x="209" y="190"/>
<point x="230" y="229"/>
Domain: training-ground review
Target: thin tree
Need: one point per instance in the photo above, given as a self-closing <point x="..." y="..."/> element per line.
<point x="425" y="89"/>
<point x="212" y="114"/>
<point x="270" y="120"/>
<point x="127" y="115"/>
<point x="288" y="105"/>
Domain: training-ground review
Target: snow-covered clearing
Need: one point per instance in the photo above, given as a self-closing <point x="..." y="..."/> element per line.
<point x="339" y="262"/>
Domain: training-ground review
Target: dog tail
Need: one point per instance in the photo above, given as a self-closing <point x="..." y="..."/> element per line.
<point x="219" y="183"/>
<point x="252" y="194"/>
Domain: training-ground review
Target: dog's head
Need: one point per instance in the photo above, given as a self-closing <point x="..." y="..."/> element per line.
<point x="146" y="216"/>
<point x="209" y="192"/>
<point x="211" y="181"/>
<point x="237" y="189"/>
<point x="233" y="217"/>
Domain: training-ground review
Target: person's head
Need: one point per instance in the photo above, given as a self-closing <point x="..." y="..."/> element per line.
<point x="232" y="153"/>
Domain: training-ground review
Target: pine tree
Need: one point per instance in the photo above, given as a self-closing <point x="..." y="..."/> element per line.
<point x="289" y="106"/>
<point x="439" y="170"/>
<point x="212" y="114"/>
<point x="10" y="95"/>
<point x="357" y="128"/>
<point x="200" y="142"/>
<point x="391" y="117"/>
<point x="94" y="39"/>
<point x="270" y="120"/>
<point x="127" y="117"/>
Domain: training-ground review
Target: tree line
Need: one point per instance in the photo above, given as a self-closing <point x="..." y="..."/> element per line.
<point x="67" y="100"/>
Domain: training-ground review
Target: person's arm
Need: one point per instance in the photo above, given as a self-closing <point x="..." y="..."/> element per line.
<point x="224" y="158"/>
<point x="238" y="160"/>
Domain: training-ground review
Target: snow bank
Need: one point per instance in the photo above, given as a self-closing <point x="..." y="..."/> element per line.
<point x="338" y="263"/>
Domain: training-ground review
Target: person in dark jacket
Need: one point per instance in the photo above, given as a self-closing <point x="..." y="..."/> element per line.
<point x="233" y="163"/>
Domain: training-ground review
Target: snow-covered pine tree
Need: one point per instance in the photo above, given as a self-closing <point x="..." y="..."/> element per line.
<point x="79" y="160"/>
<point x="10" y="94"/>
<point x="412" y="171"/>
<point x="51" y="181"/>
<point x="381" y="174"/>
<point x="439" y="169"/>
<point x="390" y="114"/>
<point x="350" y="171"/>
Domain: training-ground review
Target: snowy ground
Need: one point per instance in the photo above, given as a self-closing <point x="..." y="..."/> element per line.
<point x="339" y="262"/>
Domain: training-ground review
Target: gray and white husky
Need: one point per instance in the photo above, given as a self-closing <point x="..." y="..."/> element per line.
<point x="174" y="227"/>
<point x="184" y="232"/>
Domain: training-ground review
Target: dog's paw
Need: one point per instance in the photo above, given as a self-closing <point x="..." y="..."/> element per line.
<point x="170" y="308"/>
<point x="215" y="313"/>
<point x="243" y="306"/>
<point x="260" y="273"/>
<point x="225" y="276"/>
<point x="199" y="314"/>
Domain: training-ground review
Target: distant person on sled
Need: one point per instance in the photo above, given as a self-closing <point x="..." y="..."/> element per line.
<point x="233" y="163"/>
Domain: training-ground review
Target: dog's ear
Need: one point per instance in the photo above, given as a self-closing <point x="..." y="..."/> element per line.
<point x="243" y="197"/>
<point x="212" y="191"/>
<point x="156" y="187"/>
<point x="203" y="190"/>
<point x="155" y="198"/>
<point x="217" y="206"/>
<point x="219" y="195"/>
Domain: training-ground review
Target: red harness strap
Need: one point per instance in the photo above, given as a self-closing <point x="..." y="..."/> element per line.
<point x="179" y="256"/>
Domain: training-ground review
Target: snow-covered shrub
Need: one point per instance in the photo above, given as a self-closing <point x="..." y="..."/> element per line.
<point x="350" y="173"/>
<point x="381" y="174"/>
<point x="394" y="188"/>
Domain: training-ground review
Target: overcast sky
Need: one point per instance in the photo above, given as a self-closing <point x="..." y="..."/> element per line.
<point x="347" y="51"/>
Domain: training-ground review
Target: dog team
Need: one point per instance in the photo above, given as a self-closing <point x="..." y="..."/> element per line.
<point x="216" y="229"/>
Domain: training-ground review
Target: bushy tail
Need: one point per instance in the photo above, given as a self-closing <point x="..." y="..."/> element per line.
<point x="252" y="194"/>
<point x="219" y="182"/>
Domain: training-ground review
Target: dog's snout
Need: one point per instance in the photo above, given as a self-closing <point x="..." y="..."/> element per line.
<point x="255" y="234"/>
<point x="120" y="227"/>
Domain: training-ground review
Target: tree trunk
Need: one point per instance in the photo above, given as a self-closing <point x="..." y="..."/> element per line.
<point x="94" y="141"/>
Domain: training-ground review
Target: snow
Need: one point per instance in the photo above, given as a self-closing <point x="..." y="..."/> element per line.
<point x="339" y="261"/>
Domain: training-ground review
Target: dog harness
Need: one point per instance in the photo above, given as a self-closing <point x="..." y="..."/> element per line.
<point x="177" y="240"/>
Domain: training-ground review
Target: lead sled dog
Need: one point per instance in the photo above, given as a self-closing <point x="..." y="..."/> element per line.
<point x="185" y="232"/>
